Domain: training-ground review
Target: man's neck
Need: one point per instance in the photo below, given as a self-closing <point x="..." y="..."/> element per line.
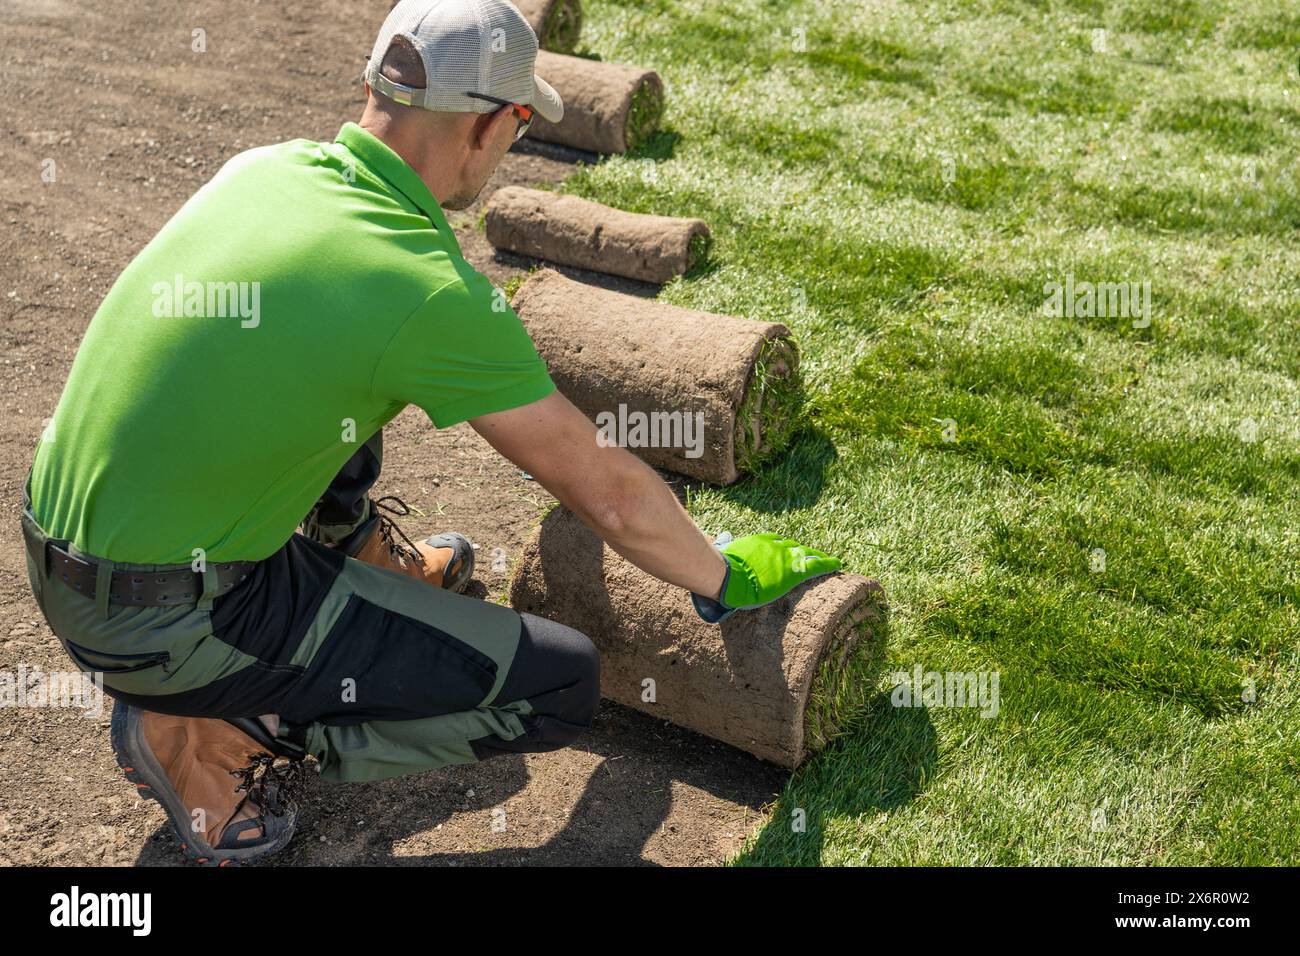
<point x="416" y="147"/>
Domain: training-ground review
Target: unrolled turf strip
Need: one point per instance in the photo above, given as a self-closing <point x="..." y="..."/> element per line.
<point x="608" y="108"/>
<point x="557" y="23"/>
<point x="577" y="232"/>
<point x="707" y="396"/>
<point x="777" y="681"/>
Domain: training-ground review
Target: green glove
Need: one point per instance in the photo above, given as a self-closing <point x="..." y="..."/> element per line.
<point x="760" y="569"/>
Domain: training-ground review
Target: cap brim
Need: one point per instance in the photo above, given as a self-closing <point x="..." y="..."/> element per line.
<point x="546" y="101"/>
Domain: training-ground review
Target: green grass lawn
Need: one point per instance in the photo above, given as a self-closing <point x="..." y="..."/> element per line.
<point x="898" y="182"/>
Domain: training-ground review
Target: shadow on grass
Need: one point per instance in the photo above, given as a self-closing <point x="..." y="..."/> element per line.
<point x="658" y="146"/>
<point x="878" y="767"/>
<point x="878" y="763"/>
<point x="791" y="480"/>
<point x="704" y="265"/>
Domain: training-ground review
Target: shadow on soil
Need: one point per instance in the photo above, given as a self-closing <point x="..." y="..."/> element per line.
<point x="562" y="154"/>
<point x="605" y="820"/>
<point x="514" y="262"/>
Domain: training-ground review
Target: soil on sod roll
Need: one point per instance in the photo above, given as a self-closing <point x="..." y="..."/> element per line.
<point x="608" y="108"/>
<point x="707" y="396"/>
<point x="779" y="681"/>
<point x="557" y="23"/>
<point x="577" y="232"/>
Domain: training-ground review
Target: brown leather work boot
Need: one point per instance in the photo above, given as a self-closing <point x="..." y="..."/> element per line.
<point x="443" y="560"/>
<point x="205" y="774"/>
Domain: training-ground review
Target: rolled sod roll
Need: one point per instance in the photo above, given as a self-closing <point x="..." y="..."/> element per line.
<point x="557" y="23"/>
<point x="578" y="232"/>
<point x="778" y="681"/>
<point x="707" y="396"/>
<point x="608" y="108"/>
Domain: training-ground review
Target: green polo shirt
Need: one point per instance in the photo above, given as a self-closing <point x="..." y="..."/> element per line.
<point x="294" y="305"/>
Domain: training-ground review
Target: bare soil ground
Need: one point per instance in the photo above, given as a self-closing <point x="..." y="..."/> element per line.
<point x="134" y="121"/>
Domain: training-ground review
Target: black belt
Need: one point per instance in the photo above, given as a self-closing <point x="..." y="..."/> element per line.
<point x="143" y="588"/>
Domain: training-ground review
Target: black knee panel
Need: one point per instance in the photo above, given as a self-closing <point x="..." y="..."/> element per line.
<point x="557" y="670"/>
<point x="584" y="695"/>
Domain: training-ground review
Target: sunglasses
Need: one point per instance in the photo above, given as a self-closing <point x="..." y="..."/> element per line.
<point x="524" y="114"/>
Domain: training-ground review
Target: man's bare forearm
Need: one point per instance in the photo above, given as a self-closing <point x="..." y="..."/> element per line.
<point x="614" y="493"/>
<point x="650" y="528"/>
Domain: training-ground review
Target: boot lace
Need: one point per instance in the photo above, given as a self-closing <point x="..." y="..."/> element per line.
<point x="388" y="527"/>
<point x="271" y="783"/>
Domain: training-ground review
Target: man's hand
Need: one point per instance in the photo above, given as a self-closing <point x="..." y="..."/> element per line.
<point x="760" y="569"/>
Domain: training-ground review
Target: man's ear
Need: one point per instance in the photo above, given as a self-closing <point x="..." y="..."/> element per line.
<point x="486" y="130"/>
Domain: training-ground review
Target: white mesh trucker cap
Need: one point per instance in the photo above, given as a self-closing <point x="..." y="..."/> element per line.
<point x="470" y="49"/>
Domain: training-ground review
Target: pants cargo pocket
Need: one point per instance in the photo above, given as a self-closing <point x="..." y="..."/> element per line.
<point x="89" y="659"/>
<point x="377" y="664"/>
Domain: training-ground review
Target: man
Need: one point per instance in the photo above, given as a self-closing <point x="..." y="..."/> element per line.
<point x="236" y="379"/>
